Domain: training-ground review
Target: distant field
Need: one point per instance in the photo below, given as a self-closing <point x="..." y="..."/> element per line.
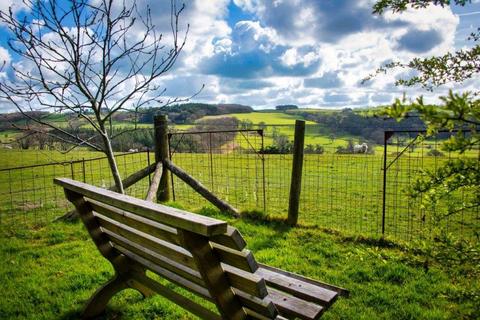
<point x="270" y="118"/>
<point x="18" y="157"/>
<point x="284" y="123"/>
<point x="8" y="136"/>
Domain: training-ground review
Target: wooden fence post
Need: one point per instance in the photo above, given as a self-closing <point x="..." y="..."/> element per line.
<point x="297" y="166"/>
<point x="161" y="153"/>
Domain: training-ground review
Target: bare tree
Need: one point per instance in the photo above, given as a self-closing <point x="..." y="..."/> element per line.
<point x="89" y="59"/>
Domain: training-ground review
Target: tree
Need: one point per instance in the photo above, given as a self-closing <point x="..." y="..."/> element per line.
<point x="457" y="112"/>
<point x="89" y="59"/>
<point x="285" y="107"/>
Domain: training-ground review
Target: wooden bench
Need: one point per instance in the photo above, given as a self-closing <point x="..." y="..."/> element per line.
<point x="201" y="254"/>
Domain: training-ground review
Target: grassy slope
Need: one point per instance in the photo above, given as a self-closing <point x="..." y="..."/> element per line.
<point x="267" y="117"/>
<point x="49" y="272"/>
<point x="286" y="122"/>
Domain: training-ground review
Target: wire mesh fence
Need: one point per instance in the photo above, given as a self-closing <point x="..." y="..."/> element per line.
<point x="228" y="162"/>
<point x="343" y="182"/>
<point x="28" y="194"/>
<point x="409" y="157"/>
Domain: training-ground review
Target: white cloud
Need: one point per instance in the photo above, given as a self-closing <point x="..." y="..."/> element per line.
<point x="309" y="52"/>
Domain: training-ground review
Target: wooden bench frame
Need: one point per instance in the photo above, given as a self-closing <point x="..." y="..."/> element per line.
<point x="201" y="254"/>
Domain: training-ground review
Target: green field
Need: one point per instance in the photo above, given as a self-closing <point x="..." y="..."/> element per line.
<point x="271" y="118"/>
<point x="337" y="241"/>
<point x="49" y="272"/>
<point x="342" y="192"/>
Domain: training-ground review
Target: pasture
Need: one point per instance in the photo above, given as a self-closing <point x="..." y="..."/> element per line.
<point x="338" y="239"/>
<point x="50" y="271"/>
<point x="339" y="191"/>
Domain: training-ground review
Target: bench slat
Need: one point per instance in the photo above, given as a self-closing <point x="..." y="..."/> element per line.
<point x="161" y="247"/>
<point x="174" y="217"/>
<point x="232" y="239"/>
<point x="291" y="306"/>
<point x="240" y="259"/>
<point x="298" y="288"/>
<point x="173" y="266"/>
<point x="339" y="290"/>
<point x="263" y="306"/>
<point x="177" y="298"/>
<point x="170" y="276"/>
<point x="246" y="282"/>
<point x="148" y="226"/>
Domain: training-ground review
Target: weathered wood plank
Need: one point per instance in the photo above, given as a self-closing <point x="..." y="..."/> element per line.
<point x="200" y="188"/>
<point x="174" y="217"/>
<point x="232" y="239"/>
<point x="339" y="290"/>
<point x="152" y="190"/>
<point x="127" y="182"/>
<point x="212" y="273"/>
<point x="298" y="288"/>
<point x="160" y="260"/>
<point x="177" y="298"/>
<point x="166" y="274"/>
<point x="263" y="306"/>
<point x="240" y="259"/>
<point x="246" y="281"/>
<point x="241" y="280"/>
<point x="166" y="249"/>
<point x="148" y="226"/>
<point x="291" y="306"/>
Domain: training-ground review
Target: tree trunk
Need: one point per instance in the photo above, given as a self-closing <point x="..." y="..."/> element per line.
<point x="112" y="163"/>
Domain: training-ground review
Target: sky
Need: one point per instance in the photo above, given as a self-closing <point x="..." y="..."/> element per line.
<point x="306" y="52"/>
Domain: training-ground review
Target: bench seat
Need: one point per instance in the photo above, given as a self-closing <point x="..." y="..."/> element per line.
<point x="200" y="254"/>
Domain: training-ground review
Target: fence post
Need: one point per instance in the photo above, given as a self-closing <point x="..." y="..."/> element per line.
<point x="161" y="153"/>
<point x="297" y="166"/>
<point x="72" y="172"/>
<point x="386" y="136"/>
<point x="83" y="170"/>
<point x="148" y="163"/>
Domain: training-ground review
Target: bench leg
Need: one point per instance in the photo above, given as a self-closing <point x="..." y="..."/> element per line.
<point x="146" y="292"/>
<point x="97" y="303"/>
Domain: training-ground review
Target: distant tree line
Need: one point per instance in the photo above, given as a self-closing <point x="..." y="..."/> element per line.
<point x="190" y="112"/>
<point x="351" y="123"/>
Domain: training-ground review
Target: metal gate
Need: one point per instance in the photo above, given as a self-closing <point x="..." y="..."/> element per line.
<point x="228" y="162"/>
<point x="408" y="154"/>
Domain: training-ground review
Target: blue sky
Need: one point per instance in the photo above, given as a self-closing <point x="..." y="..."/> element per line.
<point x="306" y="52"/>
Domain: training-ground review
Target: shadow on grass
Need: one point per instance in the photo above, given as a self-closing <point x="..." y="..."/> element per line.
<point x="109" y="314"/>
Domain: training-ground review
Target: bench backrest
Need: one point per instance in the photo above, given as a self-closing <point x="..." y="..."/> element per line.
<point x="199" y="253"/>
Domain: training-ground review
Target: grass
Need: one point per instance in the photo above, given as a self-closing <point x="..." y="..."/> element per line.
<point x="49" y="272"/>
<point x="18" y="157"/>
<point x="272" y="118"/>
<point x="342" y="192"/>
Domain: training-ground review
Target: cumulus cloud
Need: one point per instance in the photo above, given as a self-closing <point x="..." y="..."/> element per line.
<point x="307" y="52"/>
<point x="254" y="53"/>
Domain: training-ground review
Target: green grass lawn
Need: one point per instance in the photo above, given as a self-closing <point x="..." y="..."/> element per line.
<point x="49" y="272"/>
